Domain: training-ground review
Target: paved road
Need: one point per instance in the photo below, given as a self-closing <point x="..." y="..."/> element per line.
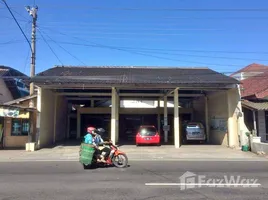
<point x="68" y="180"/>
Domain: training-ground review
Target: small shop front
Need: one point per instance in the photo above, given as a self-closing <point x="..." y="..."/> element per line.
<point x="14" y="126"/>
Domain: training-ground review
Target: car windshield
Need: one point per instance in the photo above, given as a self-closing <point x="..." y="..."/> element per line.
<point x="148" y="131"/>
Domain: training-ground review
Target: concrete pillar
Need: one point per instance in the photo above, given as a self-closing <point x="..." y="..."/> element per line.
<point x="114" y="116"/>
<point x="158" y="117"/>
<point x="38" y="117"/>
<point x="117" y="117"/>
<point x="254" y="121"/>
<point x="78" y="130"/>
<point x="165" y="119"/>
<point x="55" y="117"/>
<point x="207" y="119"/>
<point x="176" y="119"/>
<point x="232" y="100"/>
<point x="92" y="103"/>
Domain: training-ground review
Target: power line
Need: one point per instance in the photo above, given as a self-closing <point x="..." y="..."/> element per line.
<point x="141" y="53"/>
<point x="49" y="46"/>
<point x="173" y="50"/>
<point x="17" y="24"/>
<point x="64" y="49"/>
<point x="74" y="6"/>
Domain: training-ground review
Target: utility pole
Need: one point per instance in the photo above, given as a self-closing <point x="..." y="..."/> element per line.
<point x="33" y="12"/>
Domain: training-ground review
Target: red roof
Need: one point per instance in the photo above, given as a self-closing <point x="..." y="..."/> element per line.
<point x="254" y="67"/>
<point x="255" y="86"/>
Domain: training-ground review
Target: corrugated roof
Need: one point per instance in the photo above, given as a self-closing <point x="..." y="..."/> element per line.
<point x="255" y="105"/>
<point x="20" y="99"/>
<point x="133" y="75"/>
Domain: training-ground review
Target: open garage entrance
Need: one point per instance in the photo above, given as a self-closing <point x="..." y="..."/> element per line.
<point x="121" y="99"/>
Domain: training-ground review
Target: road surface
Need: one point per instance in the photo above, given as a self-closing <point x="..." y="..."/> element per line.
<point x="141" y="181"/>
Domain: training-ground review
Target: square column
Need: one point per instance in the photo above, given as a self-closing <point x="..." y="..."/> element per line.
<point x="78" y="128"/>
<point x="117" y="117"/>
<point x="232" y="101"/>
<point x="207" y="119"/>
<point x="176" y="119"/>
<point x="158" y="117"/>
<point x="165" y="119"/>
<point x="114" y="116"/>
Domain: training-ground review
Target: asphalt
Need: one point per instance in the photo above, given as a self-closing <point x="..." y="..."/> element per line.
<point x="68" y="180"/>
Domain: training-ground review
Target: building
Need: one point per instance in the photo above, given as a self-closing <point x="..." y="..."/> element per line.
<point x="12" y="87"/>
<point x="16" y="122"/>
<point x="121" y="98"/>
<point x="254" y="93"/>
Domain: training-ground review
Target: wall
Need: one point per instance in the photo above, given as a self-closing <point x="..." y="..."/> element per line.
<point x="12" y="141"/>
<point x="218" y="112"/>
<point x="46" y="130"/>
<point x="261" y="125"/>
<point x="61" y="112"/>
<point x="5" y="94"/>
<point x="199" y="110"/>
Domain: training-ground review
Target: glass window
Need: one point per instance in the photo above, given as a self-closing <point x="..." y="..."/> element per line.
<point x="20" y="127"/>
<point x="148" y="131"/>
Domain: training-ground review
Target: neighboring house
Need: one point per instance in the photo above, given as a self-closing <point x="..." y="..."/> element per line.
<point x="254" y="94"/>
<point x="11" y="85"/>
<point x="16" y="122"/>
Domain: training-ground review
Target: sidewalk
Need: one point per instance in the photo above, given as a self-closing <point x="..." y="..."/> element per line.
<point x="151" y="153"/>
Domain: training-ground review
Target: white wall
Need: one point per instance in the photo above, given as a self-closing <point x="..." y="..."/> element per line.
<point x="261" y="125"/>
<point x="46" y="118"/>
<point x="5" y="94"/>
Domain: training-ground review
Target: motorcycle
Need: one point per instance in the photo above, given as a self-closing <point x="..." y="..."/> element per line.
<point x="89" y="158"/>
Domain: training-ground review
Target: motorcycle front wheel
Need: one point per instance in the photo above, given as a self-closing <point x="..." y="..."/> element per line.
<point x="120" y="161"/>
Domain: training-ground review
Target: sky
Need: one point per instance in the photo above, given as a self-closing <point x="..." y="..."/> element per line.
<point x="167" y="33"/>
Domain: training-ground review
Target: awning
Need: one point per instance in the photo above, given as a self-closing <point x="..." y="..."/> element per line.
<point x="255" y="105"/>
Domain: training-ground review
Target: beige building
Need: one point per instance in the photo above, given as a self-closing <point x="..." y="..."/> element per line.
<point x="16" y="122"/>
<point x="116" y="98"/>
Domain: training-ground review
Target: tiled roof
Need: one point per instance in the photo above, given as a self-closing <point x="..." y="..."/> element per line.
<point x="255" y="86"/>
<point x="255" y="105"/>
<point x="254" y="67"/>
<point x="132" y="75"/>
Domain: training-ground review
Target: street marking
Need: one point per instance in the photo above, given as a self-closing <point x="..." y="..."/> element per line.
<point x="204" y="184"/>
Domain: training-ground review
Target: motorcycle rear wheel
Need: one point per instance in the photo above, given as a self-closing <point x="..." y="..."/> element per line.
<point x="120" y="161"/>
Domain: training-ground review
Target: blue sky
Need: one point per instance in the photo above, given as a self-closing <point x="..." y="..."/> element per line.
<point x="155" y="33"/>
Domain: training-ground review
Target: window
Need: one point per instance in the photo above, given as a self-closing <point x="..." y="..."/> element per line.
<point x="20" y="127"/>
<point x="148" y="131"/>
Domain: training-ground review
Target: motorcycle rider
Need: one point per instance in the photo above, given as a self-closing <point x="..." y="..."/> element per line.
<point x="95" y="139"/>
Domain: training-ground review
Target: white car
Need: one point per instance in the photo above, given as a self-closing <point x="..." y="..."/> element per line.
<point x="195" y="131"/>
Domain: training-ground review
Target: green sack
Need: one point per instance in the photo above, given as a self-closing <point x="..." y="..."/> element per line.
<point x="86" y="153"/>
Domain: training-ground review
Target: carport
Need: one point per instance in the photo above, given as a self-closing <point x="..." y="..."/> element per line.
<point x="71" y="98"/>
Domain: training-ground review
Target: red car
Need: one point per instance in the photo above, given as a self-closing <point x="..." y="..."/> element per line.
<point x="147" y="135"/>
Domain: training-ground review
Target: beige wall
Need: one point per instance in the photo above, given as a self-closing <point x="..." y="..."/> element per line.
<point x="61" y="113"/>
<point x="218" y="109"/>
<point x="233" y="119"/>
<point x="46" y="131"/>
<point x="12" y="141"/>
<point x="5" y="94"/>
